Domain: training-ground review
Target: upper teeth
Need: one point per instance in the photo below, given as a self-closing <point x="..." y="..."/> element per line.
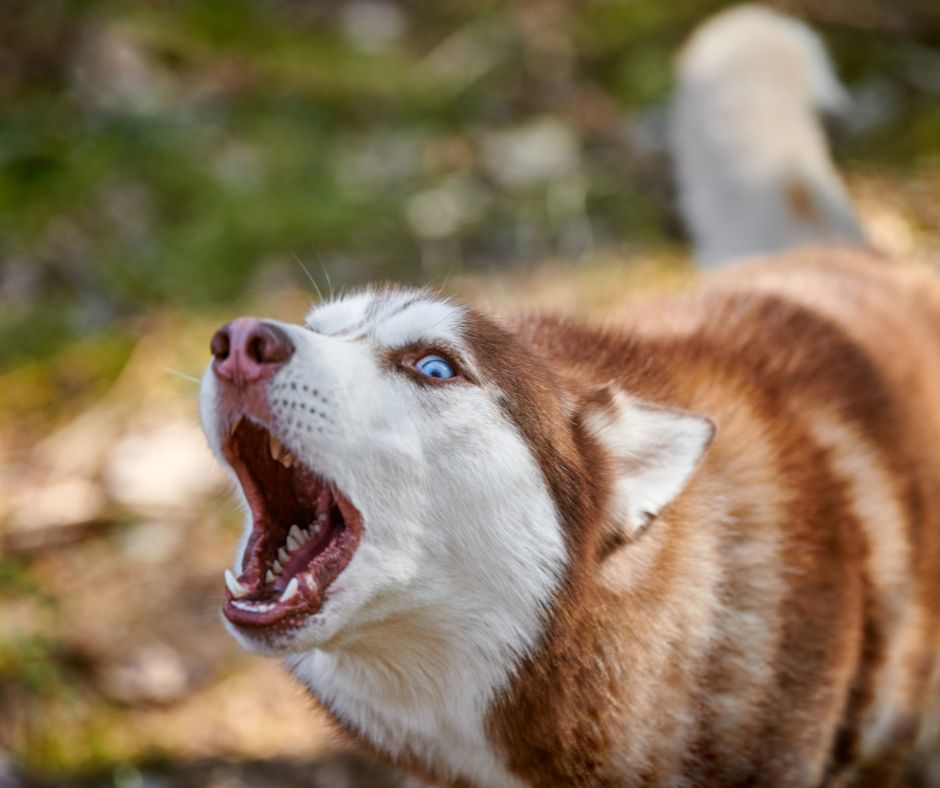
<point x="279" y="453"/>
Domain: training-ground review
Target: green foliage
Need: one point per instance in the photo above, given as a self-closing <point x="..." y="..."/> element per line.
<point x="155" y="154"/>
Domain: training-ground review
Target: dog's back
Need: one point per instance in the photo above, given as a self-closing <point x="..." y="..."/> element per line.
<point x="834" y="356"/>
<point x="781" y="622"/>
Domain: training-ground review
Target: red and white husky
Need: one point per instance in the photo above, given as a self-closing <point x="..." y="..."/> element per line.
<point x="698" y="547"/>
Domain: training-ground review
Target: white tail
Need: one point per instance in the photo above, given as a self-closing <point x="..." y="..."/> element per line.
<point x="753" y="166"/>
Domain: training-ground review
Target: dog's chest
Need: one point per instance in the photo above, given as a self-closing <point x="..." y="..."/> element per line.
<point x="446" y="736"/>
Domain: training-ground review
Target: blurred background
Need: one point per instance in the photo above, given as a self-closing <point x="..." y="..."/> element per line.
<point x="165" y="166"/>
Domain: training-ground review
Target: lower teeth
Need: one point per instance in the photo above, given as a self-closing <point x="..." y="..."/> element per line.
<point x="293" y="588"/>
<point x="253" y="607"/>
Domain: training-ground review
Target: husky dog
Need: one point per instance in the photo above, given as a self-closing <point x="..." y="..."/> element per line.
<point x="752" y="164"/>
<point x="697" y="547"/>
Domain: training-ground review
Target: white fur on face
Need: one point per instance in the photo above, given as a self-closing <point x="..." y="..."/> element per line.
<point x="461" y="548"/>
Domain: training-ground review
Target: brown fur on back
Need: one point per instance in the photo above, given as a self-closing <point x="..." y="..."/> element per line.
<point x="779" y="623"/>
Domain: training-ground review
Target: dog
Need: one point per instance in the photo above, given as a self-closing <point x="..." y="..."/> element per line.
<point x="752" y="164"/>
<point x="700" y="547"/>
<point x="697" y="546"/>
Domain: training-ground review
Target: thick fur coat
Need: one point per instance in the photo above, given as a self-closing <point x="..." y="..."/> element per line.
<point x="697" y="546"/>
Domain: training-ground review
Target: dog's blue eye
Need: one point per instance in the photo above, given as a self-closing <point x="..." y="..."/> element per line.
<point x="435" y="367"/>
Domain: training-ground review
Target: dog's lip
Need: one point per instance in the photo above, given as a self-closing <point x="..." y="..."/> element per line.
<point x="285" y="497"/>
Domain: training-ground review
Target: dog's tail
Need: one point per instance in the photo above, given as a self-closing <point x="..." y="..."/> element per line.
<point x="753" y="167"/>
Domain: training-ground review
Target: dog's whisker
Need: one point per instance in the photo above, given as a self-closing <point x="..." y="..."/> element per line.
<point x="326" y="273"/>
<point x="182" y="375"/>
<point x="310" y="277"/>
<point x="439" y="288"/>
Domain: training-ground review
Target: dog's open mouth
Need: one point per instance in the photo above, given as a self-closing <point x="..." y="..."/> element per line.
<point x="304" y="533"/>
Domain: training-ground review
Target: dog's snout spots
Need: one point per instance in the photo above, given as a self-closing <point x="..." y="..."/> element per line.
<point x="247" y="350"/>
<point x="305" y="409"/>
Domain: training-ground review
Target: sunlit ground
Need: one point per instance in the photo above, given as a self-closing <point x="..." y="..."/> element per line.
<point x="116" y="526"/>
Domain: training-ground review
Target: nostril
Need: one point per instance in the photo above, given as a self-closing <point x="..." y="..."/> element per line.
<point x="255" y="349"/>
<point x="268" y="344"/>
<point x="221" y="344"/>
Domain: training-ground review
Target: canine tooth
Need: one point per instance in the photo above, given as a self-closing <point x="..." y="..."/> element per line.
<point x="237" y="589"/>
<point x="234" y="425"/>
<point x="293" y="588"/>
<point x="295" y="538"/>
<point x="283" y="555"/>
<point x="288" y="460"/>
<point x="275" y="447"/>
<point x="276" y="567"/>
<point x="269" y="577"/>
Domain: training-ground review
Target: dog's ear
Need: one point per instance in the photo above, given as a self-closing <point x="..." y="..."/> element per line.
<point x="652" y="453"/>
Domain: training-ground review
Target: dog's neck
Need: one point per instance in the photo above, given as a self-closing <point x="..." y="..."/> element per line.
<point x="419" y="685"/>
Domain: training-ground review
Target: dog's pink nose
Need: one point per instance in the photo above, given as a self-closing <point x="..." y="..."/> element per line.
<point x="247" y="350"/>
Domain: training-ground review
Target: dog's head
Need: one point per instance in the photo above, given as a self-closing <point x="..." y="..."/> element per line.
<point x="404" y="457"/>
